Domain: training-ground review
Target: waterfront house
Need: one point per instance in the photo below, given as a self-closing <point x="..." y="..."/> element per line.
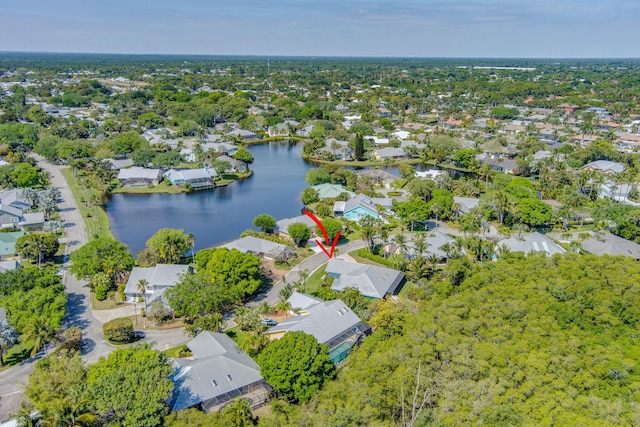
<point x="245" y="135"/>
<point x="158" y="279"/>
<point x="236" y="165"/>
<point x="220" y="147"/>
<point x="356" y="208"/>
<point x="139" y="177"/>
<point x="332" y="323"/>
<point x="372" y="281"/>
<point x="305" y="131"/>
<point x="218" y="373"/>
<point x="195" y="178"/>
<point x="393" y="153"/>
<point x="331" y="191"/>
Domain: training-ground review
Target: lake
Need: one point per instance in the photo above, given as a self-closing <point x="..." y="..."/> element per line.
<point x="218" y="215"/>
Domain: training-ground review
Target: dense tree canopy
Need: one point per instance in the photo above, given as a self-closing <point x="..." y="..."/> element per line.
<point x="101" y="256"/>
<point x="296" y="366"/>
<point x="533" y="341"/>
<point x="131" y="387"/>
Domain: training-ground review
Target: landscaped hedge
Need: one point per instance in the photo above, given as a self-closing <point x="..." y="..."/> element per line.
<point x="364" y="253"/>
<point x="119" y="331"/>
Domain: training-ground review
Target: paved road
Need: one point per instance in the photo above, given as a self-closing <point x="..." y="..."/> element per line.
<point x="272" y="297"/>
<point x="79" y="312"/>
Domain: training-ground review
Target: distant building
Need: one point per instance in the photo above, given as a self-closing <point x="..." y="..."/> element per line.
<point x="356" y="208"/>
<point x="255" y="245"/>
<point x="605" y="166"/>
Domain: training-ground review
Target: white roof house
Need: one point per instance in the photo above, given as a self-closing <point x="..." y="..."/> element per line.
<point x="258" y="246"/>
<point x="534" y="242"/>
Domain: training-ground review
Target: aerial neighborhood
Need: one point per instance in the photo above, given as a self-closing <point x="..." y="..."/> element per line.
<point x="332" y="242"/>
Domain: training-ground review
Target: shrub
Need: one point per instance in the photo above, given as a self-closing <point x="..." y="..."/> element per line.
<point x="119" y="330"/>
<point x="72" y="339"/>
<point x="101" y="291"/>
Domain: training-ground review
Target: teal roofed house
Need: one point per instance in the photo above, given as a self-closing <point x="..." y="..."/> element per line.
<point x="356" y="208"/>
<point x="8" y="243"/>
<point x="331" y="191"/>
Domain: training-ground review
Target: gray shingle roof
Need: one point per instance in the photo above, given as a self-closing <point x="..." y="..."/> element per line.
<point x="139" y="173"/>
<point x="283" y="224"/>
<point x="220" y="367"/>
<point x="371" y="280"/>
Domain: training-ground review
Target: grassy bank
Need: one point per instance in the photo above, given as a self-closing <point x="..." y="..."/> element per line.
<point x="95" y="218"/>
<point x="163" y="188"/>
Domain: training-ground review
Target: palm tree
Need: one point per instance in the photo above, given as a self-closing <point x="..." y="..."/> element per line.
<point x="284" y="306"/>
<point x="401" y="243"/>
<point x="65" y="413"/>
<point x="8" y="337"/>
<point x="142" y="289"/>
<point x="40" y="331"/>
<point x="30" y="195"/>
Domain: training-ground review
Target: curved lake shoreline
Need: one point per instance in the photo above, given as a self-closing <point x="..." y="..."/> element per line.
<point x="219" y="215"/>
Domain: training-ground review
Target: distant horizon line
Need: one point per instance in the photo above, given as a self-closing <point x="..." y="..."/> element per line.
<point x="209" y="55"/>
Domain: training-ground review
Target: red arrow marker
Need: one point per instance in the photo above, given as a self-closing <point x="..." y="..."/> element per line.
<point x="324" y="233"/>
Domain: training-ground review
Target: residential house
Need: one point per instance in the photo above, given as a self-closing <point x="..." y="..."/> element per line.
<point x="617" y="192"/>
<point x="605" y="166"/>
<point x="158" y="279"/>
<point x="305" y="131"/>
<point x="282" y="226"/>
<point x="371" y="281"/>
<point x="195" y="178"/>
<point x="384" y="113"/>
<point x="500" y="164"/>
<point x="465" y="204"/>
<point x="220" y="147"/>
<point x="255" y="245"/>
<point x="244" y="134"/>
<point x="331" y="191"/>
<point x="14" y="198"/>
<point x="356" y="208"/>
<point x="280" y="129"/>
<point x="236" y="165"/>
<point x="8" y="243"/>
<point x="377" y="141"/>
<point x="401" y="134"/>
<point x="379" y="177"/>
<point x="610" y="244"/>
<point x="139" y="177"/>
<point x="533" y="242"/>
<point x="332" y="323"/>
<point x="188" y="155"/>
<point x="389" y="153"/>
<point x="218" y="374"/>
<point x="117" y="164"/>
<point x="436" y="245"/>
<point x="15" y="218"/>
<point x="431" y="174"/>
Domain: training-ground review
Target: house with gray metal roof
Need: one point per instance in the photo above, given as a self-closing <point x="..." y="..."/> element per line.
<point x="139" y="177"/>
<point x="356" y="208"/>
<point x="331" y="191"/>
<point x="370" y="280"/>
<point x="219" y="374"/>
<point x="202" y="177"/>
<point x="282" y="226"/>
<point x="605" y="166"/>
<point x="533" y="242"/>
<point x="255" y="245"/>
<point x="466" y="203"/>
<point x="158" y="279"/>
<point x="332" y="323"/>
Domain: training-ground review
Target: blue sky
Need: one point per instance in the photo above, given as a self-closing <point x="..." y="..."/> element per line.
<point x="427" y="28"/>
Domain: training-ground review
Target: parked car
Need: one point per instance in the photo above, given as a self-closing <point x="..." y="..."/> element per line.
<point x="269" y="322"/>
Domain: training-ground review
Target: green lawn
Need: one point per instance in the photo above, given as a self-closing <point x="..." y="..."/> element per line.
<point x="95" y="219"/>
<point x="17" y="354"/>
<point x="108" y="303"/>
<point x="314" y="282"/>
<point x="163" y="187"/>
<point x="361" y="260"/>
